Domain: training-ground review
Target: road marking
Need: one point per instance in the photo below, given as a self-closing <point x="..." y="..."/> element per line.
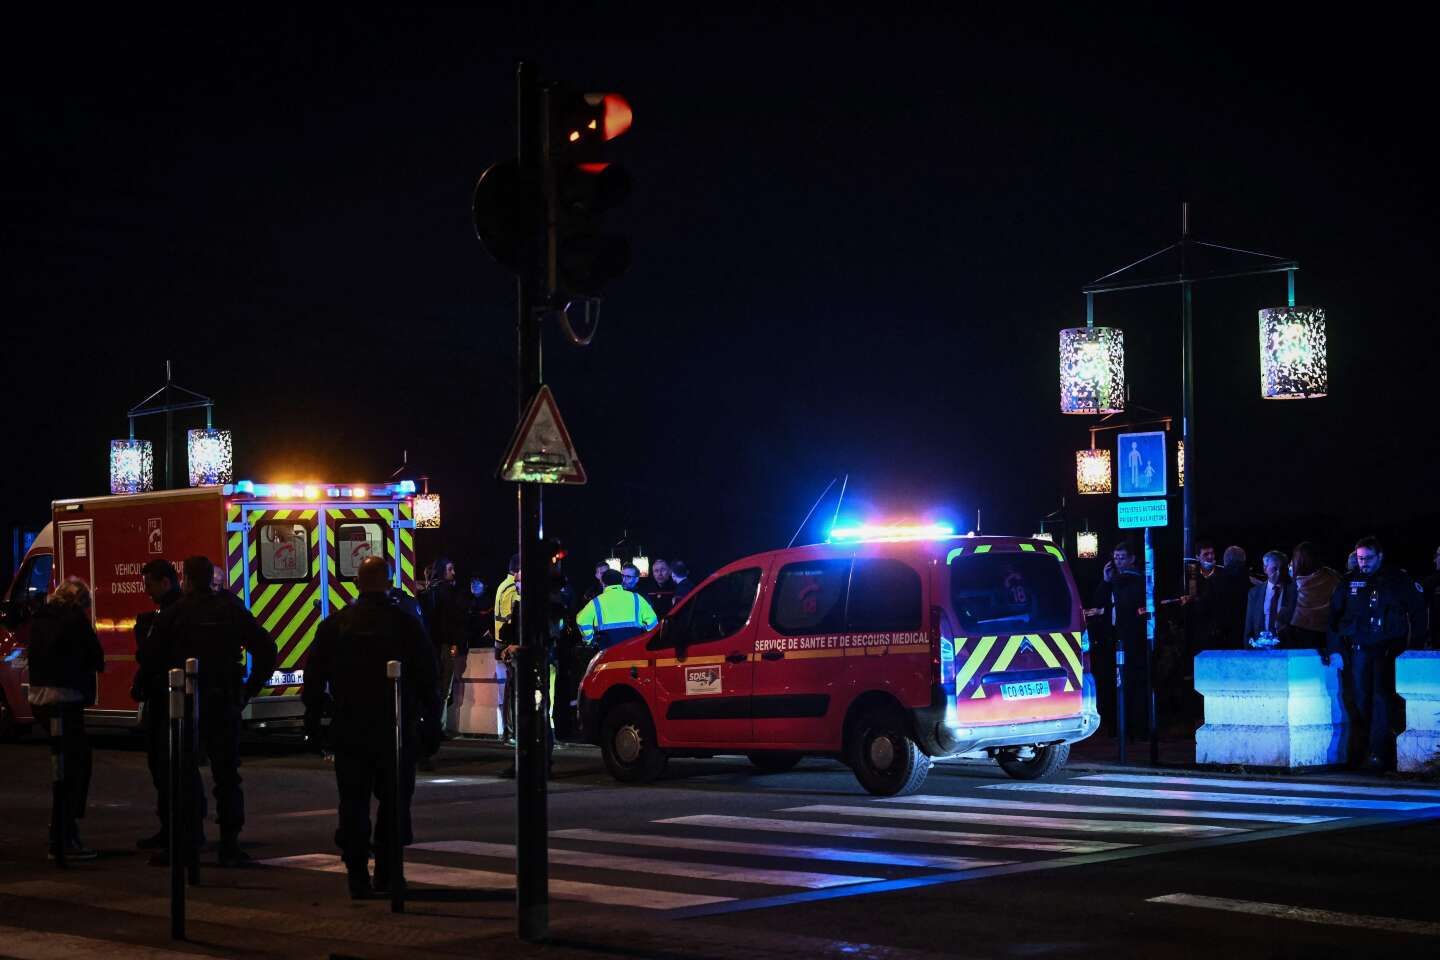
<point x="908" y="834"/>
<point x="25" y="944"/>
<point x="1286" y="785"/>
<point x="648" y="865"/>
<point x="986" y="803"/>
<point x="840" y="854"/>
<point x="439" y="876"/>
<point x="1004" y="820"/>
<point x="1302" y="914"/>
<point x="1202" y="796"/>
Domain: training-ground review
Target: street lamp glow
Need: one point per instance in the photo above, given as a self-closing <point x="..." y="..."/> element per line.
<point x="1087" y="545"/>
<point x="1292" y="353"/>
<point x="1092" y="470"/>
<point x="1092" y="370"/>
<point x="211" y="456"/>
<point x="132" y="466"/>
<point x="427" y="511"/>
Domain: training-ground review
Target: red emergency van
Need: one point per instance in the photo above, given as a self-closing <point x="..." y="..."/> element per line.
<point x="885" y="649"/>
<point x="289" y="552"/>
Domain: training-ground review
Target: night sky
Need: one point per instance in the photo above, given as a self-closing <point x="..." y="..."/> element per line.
<point x="856" y="238"/>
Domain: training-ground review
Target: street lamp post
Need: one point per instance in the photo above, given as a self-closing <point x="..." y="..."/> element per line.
<point x="1114" y="283"/>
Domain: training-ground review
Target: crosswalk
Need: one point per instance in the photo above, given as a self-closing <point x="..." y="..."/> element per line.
<point x="711" y="862"/>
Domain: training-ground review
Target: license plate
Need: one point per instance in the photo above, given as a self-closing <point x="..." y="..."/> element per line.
<point x="1025" y="691"/>
<point x="285" y="678"/>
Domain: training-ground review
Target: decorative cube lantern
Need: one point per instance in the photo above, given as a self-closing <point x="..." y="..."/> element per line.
<point x="1087" y="545"/>
<point x="1092" y="470"/>
<point x="132" y="466"/>
<point x="1292" y="353"/>
<point x="1092" y="370"/>
<point x="427" y="511"/>
<point x="1180" y="461"/>
<point x="211" y="457"/>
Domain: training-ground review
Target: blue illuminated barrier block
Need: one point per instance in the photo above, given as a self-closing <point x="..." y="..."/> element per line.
<point x="1417" y="680"/>
<point x="1270" y="708"/>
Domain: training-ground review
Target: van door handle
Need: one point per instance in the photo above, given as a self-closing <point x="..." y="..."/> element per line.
<point x="736" y="658"/>
<point x="773" y="654"/>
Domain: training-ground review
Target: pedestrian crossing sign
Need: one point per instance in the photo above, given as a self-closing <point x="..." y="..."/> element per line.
<point x="1141" y="457"/>
<point x="541" y="451"/>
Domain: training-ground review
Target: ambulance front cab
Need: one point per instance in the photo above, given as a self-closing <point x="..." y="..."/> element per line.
<point x="885" y="648"/>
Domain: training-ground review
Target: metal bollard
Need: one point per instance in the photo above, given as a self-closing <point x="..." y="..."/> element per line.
<point x="179" y="805"/>
<point x="397" y="848"/>
<point x="192" y="749"/>
<point x="58" y="819"/>
<point x="1120" y="696"/>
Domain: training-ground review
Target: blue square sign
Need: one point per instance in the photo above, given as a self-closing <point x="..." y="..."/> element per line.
<point x="1141" y="461"/>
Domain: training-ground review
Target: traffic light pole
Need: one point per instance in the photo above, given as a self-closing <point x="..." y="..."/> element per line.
<point x="532" y="882"/>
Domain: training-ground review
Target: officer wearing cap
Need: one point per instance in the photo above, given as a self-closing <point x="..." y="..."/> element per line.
<point x="616" y="614"/>
<point x="345" y="676"/>
<point x="218" y="631"/>
<point x="1375" y="614"/>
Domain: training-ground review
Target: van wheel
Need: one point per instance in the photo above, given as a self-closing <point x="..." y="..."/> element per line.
<point x="775" y="761"/>
<point x="627" y="742"/>
<point x="884" y="758"/>
<point x="1033" y="763"/>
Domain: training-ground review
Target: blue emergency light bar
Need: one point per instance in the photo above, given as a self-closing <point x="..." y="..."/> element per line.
<point x="312" y="491"/>
<point x="891" y="533"/>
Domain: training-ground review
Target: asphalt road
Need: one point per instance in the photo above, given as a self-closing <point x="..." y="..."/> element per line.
<point x="719" y="860"/>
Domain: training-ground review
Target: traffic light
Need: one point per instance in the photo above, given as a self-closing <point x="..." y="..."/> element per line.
<point x="582" y="184"/>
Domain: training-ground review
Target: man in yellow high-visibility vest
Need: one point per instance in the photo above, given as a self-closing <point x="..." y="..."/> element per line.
<point x="616" y="614"/>
<point x="507" y="609"/>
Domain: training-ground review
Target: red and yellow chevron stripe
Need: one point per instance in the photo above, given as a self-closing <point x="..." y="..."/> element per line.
<point x="289" y="612"/>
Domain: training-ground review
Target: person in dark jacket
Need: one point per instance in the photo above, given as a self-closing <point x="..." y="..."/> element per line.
<point x="1230" y="592"/>
<point x="1120" y="599"/>
<point x="217" y="630"/>
<point x="1375" y="614"/>
<point x="661" y="590"/>
<point x="64" y="657"/>
<point x="149" y="688"/>
<point x="446" y="609"/>
<point x="345" y="676"/>
<point x="680" y="573"/>
<point x="1271" y="605"/>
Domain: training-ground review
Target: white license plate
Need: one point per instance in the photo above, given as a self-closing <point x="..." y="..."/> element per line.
<point x="1025" y="691"/>
<point x="285" y="678"/>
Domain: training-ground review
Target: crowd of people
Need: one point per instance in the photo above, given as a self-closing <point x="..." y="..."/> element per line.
<point x="1365" y="617"/>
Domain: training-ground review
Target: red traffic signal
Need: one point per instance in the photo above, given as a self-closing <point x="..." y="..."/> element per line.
<point x="585" y="184"/>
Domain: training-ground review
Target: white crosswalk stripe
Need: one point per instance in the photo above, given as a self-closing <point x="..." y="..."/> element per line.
<point x="909" y="834"/>
<point x="1288" y="786"/>
<point x="1068" y="824"/>
<point x="775" y="850"/>
<point x="1204" y="796"/>
<point x="672" y="868"/>
<point x="1006" y="803"/>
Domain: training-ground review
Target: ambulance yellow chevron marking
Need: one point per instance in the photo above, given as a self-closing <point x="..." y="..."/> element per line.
<point x="336" y="601"/>
<point x="290" y="597"/>
<point x="236" y="569"/>
<point x="406" y="540"/>
<point x="234" y="542"/>
<point x="294" y="656"/>
<point x="1012" y="647"/>
<point x="1069" y="654"/>
<point x="257" y="604"/>
<point x="283" y="514"/>
<point x="982" y="650"/>
<point x="1042" y="648"/>
<point x="300" y="616"/>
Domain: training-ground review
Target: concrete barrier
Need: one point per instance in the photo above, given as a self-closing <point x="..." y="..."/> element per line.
<point x="1417" y="681"/>
<point x="1270" y="708"/>
<point x="478" y="695"/>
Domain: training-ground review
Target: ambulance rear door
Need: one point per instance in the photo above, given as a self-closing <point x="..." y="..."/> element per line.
<point x="275" y="561"/>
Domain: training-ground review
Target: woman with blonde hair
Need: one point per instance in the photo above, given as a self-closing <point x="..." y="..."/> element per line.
<point x="1314" y="584"/>
<point x="65" y="656"/>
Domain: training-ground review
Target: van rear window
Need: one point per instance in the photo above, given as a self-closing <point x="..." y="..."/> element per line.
<point x="810" y="597"/>
<point x="999" y="593"/>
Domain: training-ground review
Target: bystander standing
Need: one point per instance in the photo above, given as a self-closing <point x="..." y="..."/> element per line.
<point x="1315" y="584"/>
<point x="1271" y="604"/>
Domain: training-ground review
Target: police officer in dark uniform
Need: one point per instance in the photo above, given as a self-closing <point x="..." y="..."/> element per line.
<point x="1120" y="598"/>
<point x="1374" y="615"/>
<point x="149" y="687"/>
<point x="346" y="676"/>
<point x="216" y="629"/>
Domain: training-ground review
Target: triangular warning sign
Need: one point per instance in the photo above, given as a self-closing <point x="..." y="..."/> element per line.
<point x="541" y="451"/>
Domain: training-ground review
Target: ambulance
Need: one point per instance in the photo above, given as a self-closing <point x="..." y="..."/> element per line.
<point x="886" y="647"/>
<point x="288" y="552"/>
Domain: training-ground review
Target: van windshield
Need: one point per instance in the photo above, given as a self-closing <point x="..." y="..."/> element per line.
<point x="1009" y="593"/>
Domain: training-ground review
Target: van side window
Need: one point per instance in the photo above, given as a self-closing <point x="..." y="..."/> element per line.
<point x="354" y="541"/>
<point x="718" y="610"/>
<point x="284" y="550"/>
<point x="884" y="597"/>
<point x="810" y="597"/>
<point x="34" y="579"/>
<point x="1009" y="593"/>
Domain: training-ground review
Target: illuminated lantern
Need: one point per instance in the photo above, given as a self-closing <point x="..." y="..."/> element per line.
<point x="211" y="457"/>
<point x="642" y="564"/>
<point x="1292" y="353"/>
<point x="613" y="563"/>
<point x="1092" y="471"/>
<point x="427" y="511"/>
<point x="1087" y="545"/>
<point x="1092" y="370"/>
<point x="1044" y="535"/>
<point x="132" y="466"/>
<point x="1180" y="460"/>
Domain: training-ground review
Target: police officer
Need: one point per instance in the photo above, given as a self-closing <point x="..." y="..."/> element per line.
<point x="346" y="676"/>
<point x="1120" y="598"/>
<point x="616" y="614"/>
<point x="162" y="585"/>
<point x="218" y="631"/>
<point x="1376" y="612"/>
